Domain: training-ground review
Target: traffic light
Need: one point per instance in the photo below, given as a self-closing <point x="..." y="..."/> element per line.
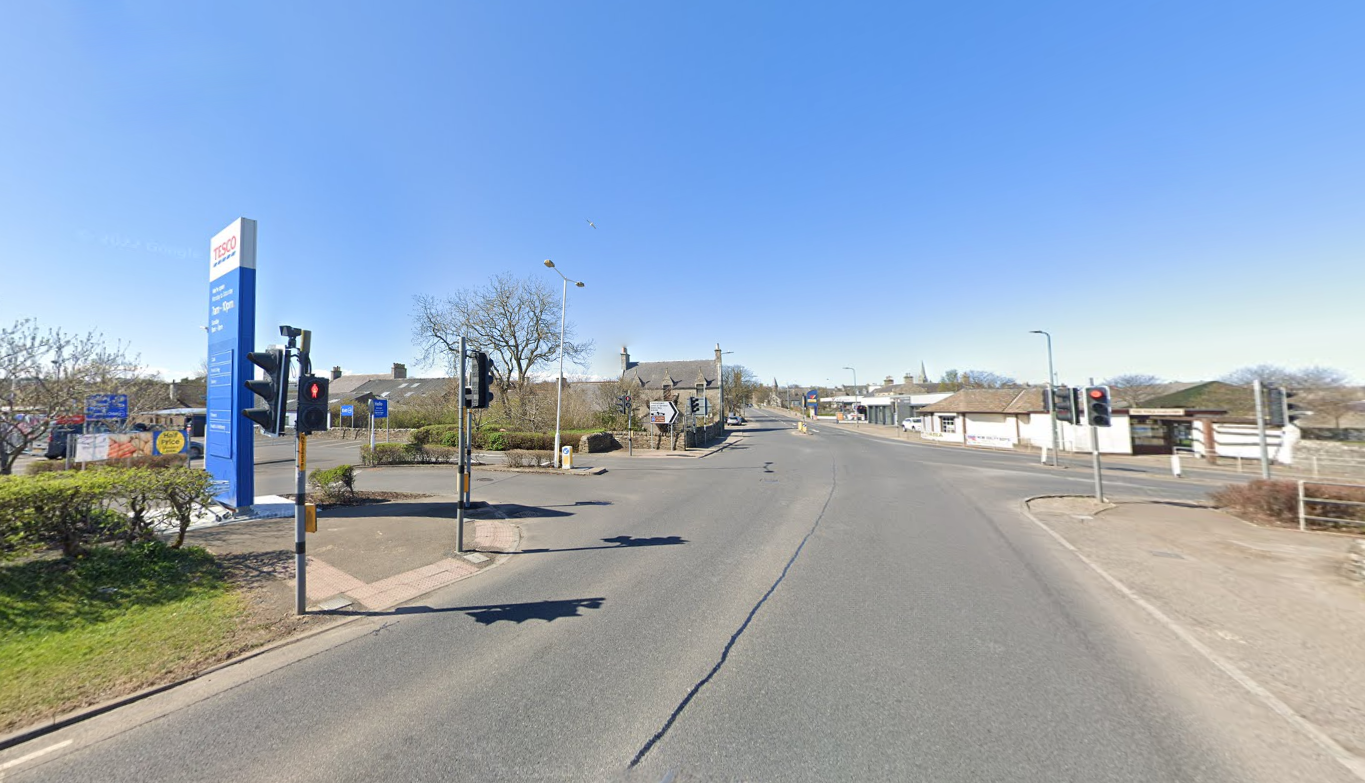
<point x="479" y="394"/>
<point x="693" y="405"/>
<point x="1097" y="408"/>
<point x="271" y="388"/>
<point x="311" y="415"/>
<point x="1064" y="402"/>
<point x="623" y="403"/>
<point x="1281" y="411"/>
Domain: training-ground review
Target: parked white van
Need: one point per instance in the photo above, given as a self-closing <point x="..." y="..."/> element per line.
<point x="914" y="425"/>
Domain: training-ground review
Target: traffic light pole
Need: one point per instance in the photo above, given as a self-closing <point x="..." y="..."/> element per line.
<point x="300" y="484"/>
<point x="1258" y="390"/>
<point x="464" y="433"/>
<point x="300" y="521"/>
<point x="1095" y="454"/>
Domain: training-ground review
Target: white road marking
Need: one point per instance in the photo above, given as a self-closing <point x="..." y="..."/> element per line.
<point x="35" y="754"/>
<point x="1349" y="760"/>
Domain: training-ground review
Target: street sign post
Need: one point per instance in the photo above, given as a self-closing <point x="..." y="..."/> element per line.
<point x="106" y="406"/>
<point x="348" y="410"/>
<point x="662" y="412"/>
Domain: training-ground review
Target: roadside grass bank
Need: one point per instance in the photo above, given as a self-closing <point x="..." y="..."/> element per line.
<point x="79" y="631"/>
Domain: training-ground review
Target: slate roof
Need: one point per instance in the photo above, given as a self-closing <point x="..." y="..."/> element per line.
<point x="988" y="401"/>
<point x="347" y="384"/>
<point x="1210" y="396"/>
<point x="1028" y="401"/>
<point x="399" y="389"/>
<point x="684" y="373"/>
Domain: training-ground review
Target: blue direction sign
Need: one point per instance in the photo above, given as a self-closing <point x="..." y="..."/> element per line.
<point x="106" y="406"/>
<point x="380" y="408"/>
<point x="348" y="410"/>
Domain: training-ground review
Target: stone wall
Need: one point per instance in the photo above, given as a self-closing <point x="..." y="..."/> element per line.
<point x="597" y="442"/>
<point x="363" y="433"/>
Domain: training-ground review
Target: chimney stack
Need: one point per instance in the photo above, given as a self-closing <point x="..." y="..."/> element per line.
<point x="336" y="372"/>
<point x="889" y="380"/>
<point x="625" y="360"/>
<point x="400" y="371"/>
<point x="718" y="355"/>
<point x="909" y="378"/>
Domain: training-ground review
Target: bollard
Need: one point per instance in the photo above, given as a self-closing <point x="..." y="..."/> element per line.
<point x="1175" y="465"/>
<point x="1043" y="458"/>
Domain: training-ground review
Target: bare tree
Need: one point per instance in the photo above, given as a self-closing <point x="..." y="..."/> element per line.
<point x="1326" y="391"/>
<point x="514" y="319"/>
<point x="1133" y="389"/>
<point x="48" y="373"/>
<point x="739" y="387"/>
<point x="985" y="379"/>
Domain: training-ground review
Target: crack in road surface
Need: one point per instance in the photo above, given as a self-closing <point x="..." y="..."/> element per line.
<point x="725" y="653"/>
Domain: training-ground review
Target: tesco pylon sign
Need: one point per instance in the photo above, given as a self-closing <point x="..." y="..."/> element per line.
<point x="230" y="250"/>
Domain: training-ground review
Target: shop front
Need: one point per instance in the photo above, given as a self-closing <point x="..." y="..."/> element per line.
<point x="1163" y="430"/>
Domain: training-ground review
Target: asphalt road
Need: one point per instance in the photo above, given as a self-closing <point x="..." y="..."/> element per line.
<point x="822" y="607"/>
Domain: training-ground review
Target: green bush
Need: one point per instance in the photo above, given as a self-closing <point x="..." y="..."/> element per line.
<point x="74" y="510"/>
<point x="435" y="433"/>
<point x="334" y="485"/>
<point x="383" y="454"/>
<point x="185" y="491"/>
<point x="67" y="510"/>
<point x="496" y="441"/>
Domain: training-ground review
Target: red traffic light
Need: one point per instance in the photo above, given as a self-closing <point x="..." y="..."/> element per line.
<point x="1097" y="394"/>
<point x="314" y="391"/>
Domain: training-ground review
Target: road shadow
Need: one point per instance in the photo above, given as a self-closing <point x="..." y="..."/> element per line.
<point x="518" y="511"/>
<point x="549" y="611"/>
<point x="615" y="542"/>
<point x="253" y="568"/>
<point x="444" y="509"/>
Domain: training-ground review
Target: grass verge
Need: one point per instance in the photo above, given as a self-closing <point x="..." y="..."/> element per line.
<point x="75" y="632"/>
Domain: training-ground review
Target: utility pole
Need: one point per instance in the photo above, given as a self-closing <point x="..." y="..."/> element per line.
<point x="1259" y="390"/>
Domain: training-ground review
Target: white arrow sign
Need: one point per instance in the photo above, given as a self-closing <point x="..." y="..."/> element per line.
<point x="662" y="412"/>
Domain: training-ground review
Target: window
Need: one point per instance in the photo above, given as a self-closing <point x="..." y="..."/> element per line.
<point x="948" y="423"/>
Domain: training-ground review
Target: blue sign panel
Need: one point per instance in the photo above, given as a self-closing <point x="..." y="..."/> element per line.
<point x="106" y="406"/>
<point x="812" y="398"/>
<point x="348" y="410"/>
<point x="228" y="454"/>
<point x="380" y="408"/>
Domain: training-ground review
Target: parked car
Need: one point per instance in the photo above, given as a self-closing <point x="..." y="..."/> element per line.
<point x="915" y="424"/>
<point x="733" y="421"/>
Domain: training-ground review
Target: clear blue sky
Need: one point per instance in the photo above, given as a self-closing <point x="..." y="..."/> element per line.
<point x="1169" y="187"/>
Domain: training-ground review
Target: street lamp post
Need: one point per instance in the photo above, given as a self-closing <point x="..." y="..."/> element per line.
<point x="1051" y="385"/>
<point x="559" y="382"/>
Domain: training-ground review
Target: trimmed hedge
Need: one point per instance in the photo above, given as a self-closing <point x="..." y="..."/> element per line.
<point x="521" y="458"/>
<point x="407" y="454"/>
<point x="157" y="461"/>
<point x="73" y="510"/>
<point x="495" y="440"/>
